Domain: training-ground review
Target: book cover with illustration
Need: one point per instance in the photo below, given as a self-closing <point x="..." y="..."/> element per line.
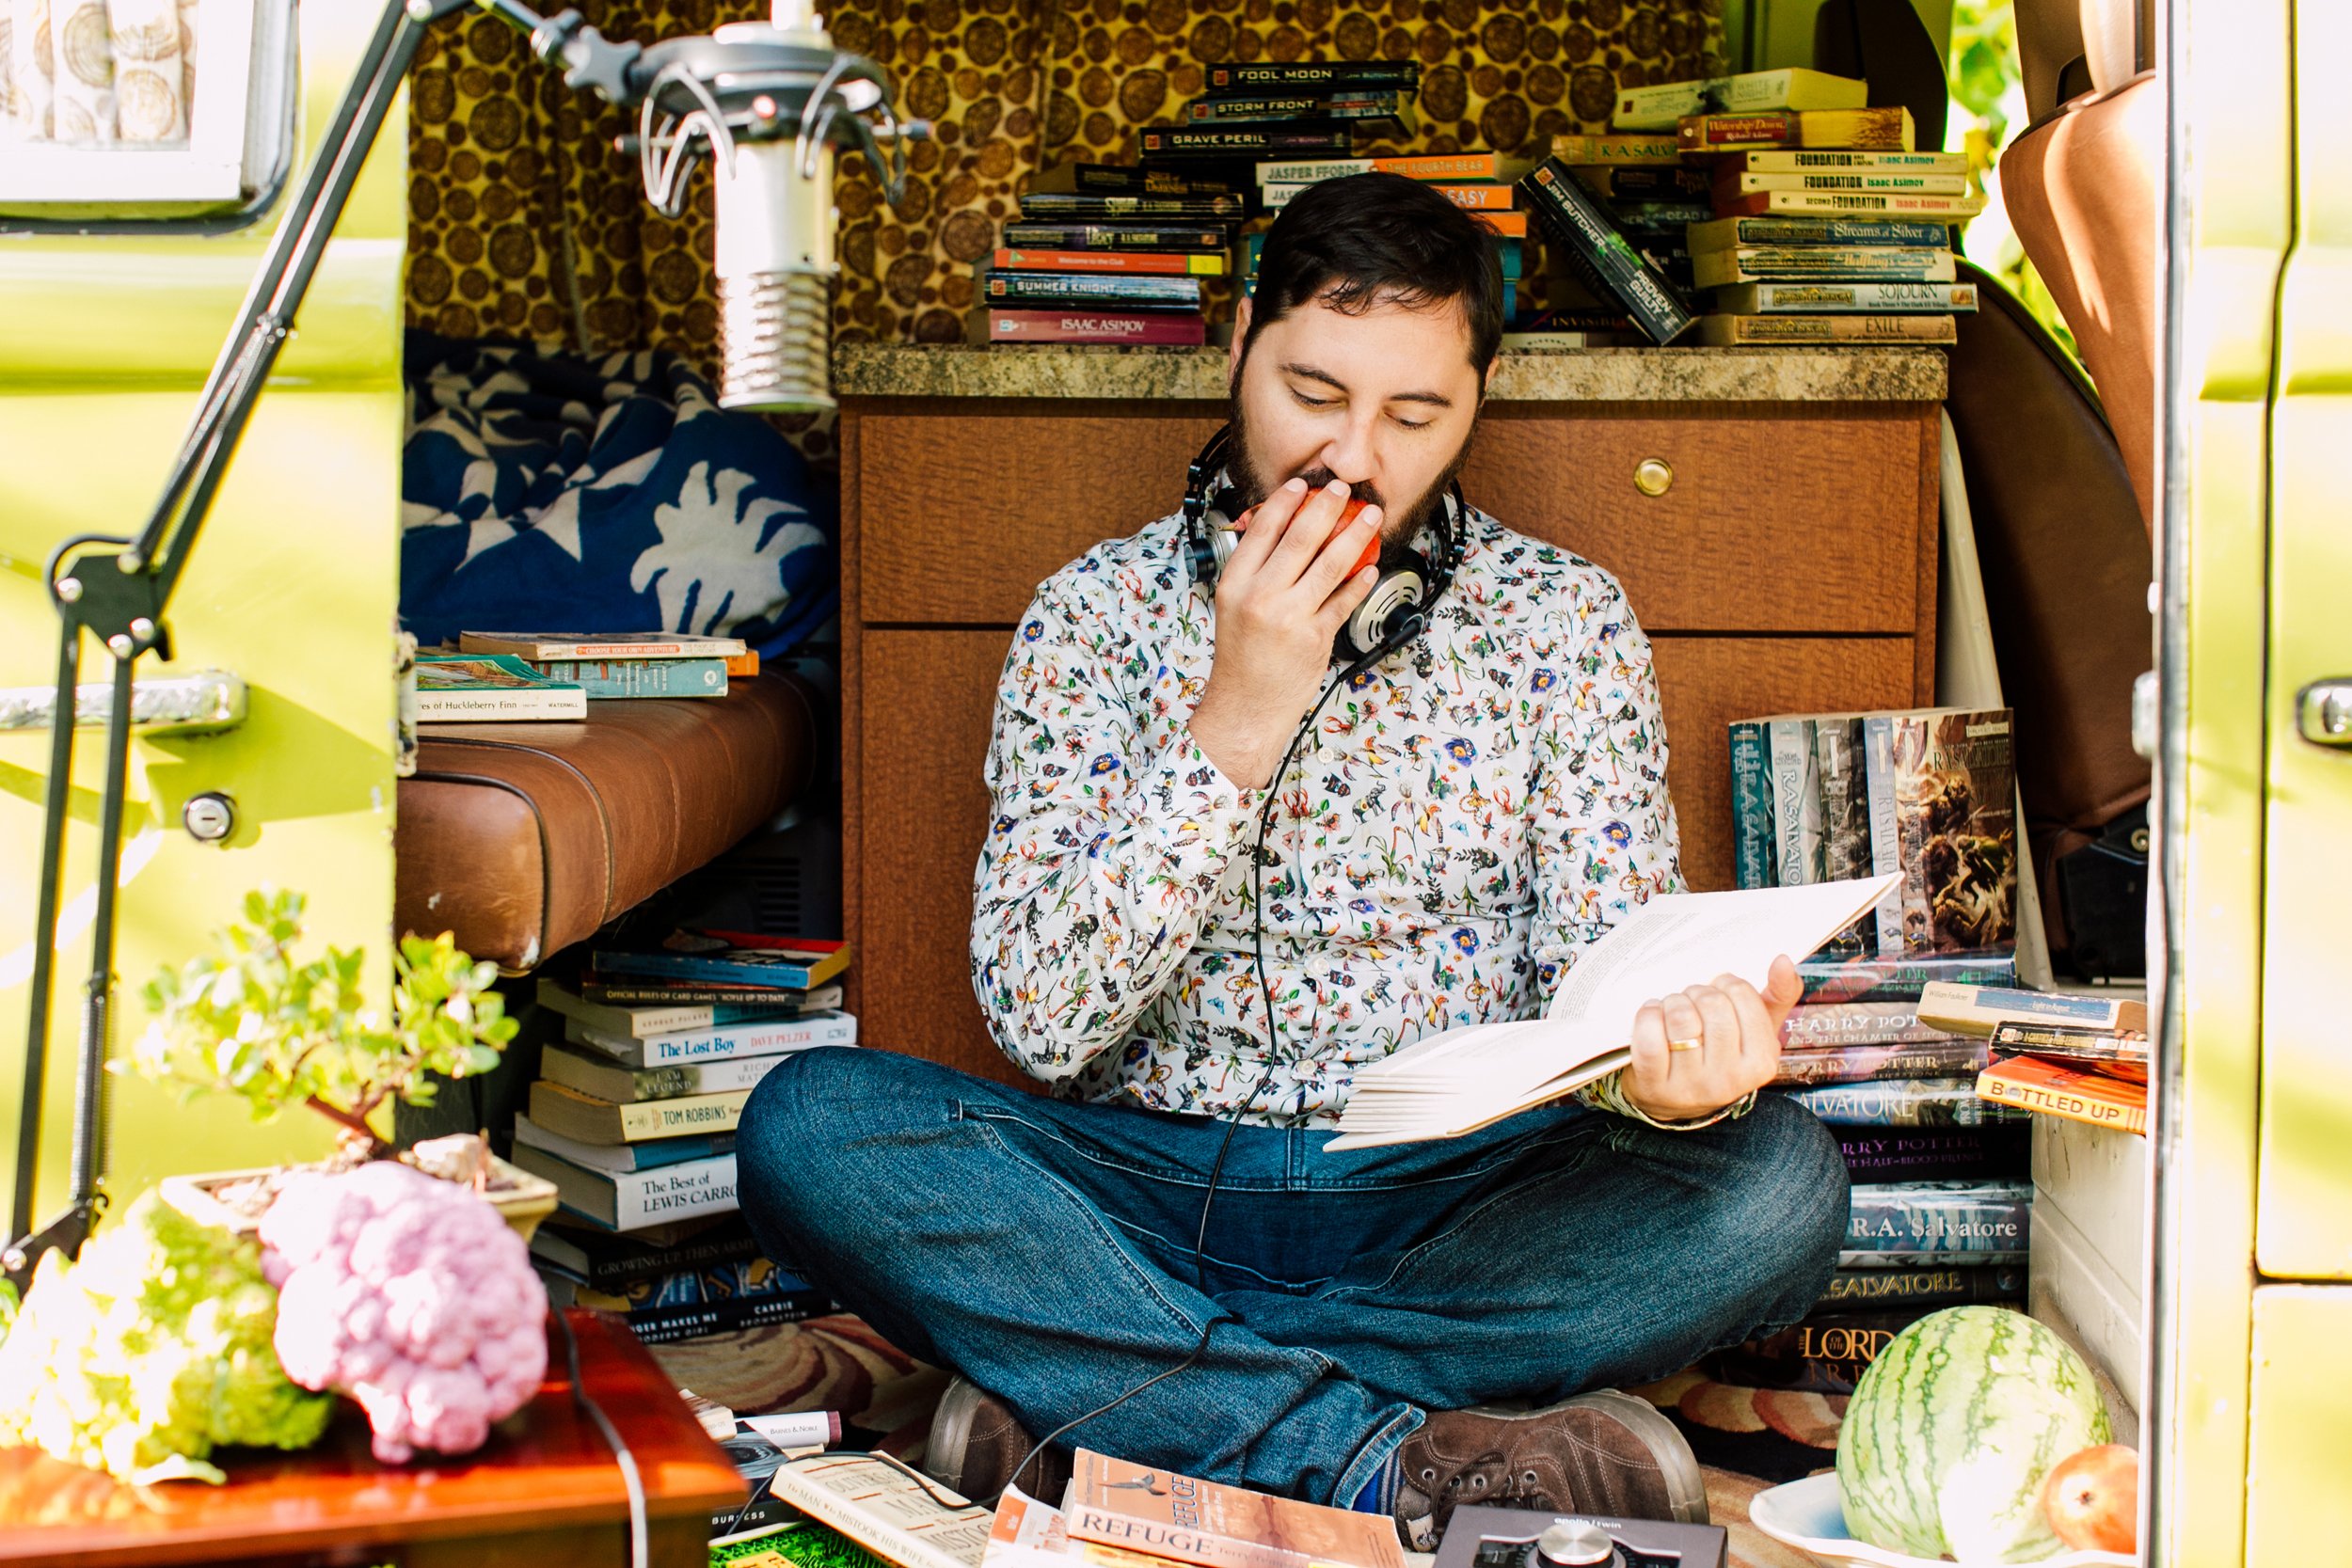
<point x="1950" y="780"/>
<point x="1214" y="1526"/>
<point x="476" y="689"/>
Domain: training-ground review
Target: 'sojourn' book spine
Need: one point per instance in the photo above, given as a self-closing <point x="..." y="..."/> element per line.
<point x="1756" y="858"/>
<point x="1862" y="1064"/>
<point x="1931" y="1289"/>
<point x="1991" y="1217"/>
<point x="1796" y="801"/>
<point x="1590" y="235"/>
<point x="1903" y="1103"/>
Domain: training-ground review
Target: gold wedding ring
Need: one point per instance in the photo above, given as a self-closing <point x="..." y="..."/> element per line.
<point x="1690" y="1044"/>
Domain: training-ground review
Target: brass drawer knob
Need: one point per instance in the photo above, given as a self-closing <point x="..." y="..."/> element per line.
<point x="1653" y="476"/>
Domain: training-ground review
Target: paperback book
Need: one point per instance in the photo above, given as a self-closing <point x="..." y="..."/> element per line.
<point x="1313" y="75"/>
<point x="1600" y="253"/>
<point x="1174" y="263"/>
<point x="1115" y="210"/>
<point x="1947" y="1101"/>
<point x="641" y="1022"/>
<point x="1866" y="235"/>
<point x="1874" y="130"/>
<point x="886" y="1507"/>
<point x="731" y="957"/>
<point x="597" y="1074"/>
<point x="1153" y="329"/>
<point x="623" y="1156"/>
<point x="1135" y="292"/>
<point x="1714" y="269"/>
<point x="1656" y="149"/>
<point x="1978" y="1010"/>
<point x="1825" y="298"/>
<point x="2113" y="1053"/>
<point x="1950" y="779"/>
<point x="1206" y="1523"/>
<point x="609" y="678"/>
<point x="491" y="688"/>
<point x="593" y="646"/>
<point x="1769" y="203"/>
<point x="755" y="1002"/>
<point x="1206" y="239"/>
<point x="1729" y="184"/>
<point x="588" y="1119"/>
<point x="721" y="1042"/>
<point x="1663" y="105"/>
<point x="1725" y="331"/>
<point x="2046" y="1088"/>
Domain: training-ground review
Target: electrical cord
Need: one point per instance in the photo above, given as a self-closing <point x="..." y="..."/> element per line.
<point x="640" y="1552"/>
<point x="1397" y="637"/>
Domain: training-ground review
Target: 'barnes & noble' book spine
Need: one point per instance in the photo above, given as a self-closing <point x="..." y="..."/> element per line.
<point x="1913" y="1103"/>
<point x="1965" y="1285"/>
<point x="1862" y="1064"/>
<point x="1754" y="845"/>
<point x="1585" y="229"/>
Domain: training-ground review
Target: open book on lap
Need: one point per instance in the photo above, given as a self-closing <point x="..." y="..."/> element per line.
<point x="1457" y="1081"/>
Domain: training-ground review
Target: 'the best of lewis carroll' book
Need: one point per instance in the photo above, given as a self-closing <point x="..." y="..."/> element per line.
<point x="1181" y="1519"/>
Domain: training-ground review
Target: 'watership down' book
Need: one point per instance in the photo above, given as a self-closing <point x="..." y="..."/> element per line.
<point x="1458" y="1080"/>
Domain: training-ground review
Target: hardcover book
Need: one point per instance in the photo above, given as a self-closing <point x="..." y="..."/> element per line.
<point x="1601" y="254"/>
<point x="1901" y="977"/>
<point x="1823" y="298"/>
<point x="1876" y="129"/>
<point x="574" y="1115"/>
<point x="1755" y="840"/>
<point x="1978" y="1222"/>
<point x="1863" y="1063"/>
<point x="2031" y="1083"/>
<point x="1988" y="1149"/>
<point x="1929" y="1288"/>
<point x="1796" y="780"/>
<point x="1826" y="1025"/>
<point x="596" y="1074"/>
<point x="1826" y="1353"/>
<point x="1714" y="269"/>
<point x="623" y="1157"/>
<point x="608" y="1261"/>
<point x="609" y="644"/>
<point x="1906" y="1102"/>
<point x="1719" y="331"/>
<point x="632" y="1200"/>
<point x="1867" y="234"/>
<point x="644" y="1022"/>
<point x="720" y="1042"/>
<point x="1179" y="1519"/>
<point x="1845" y="816"/>
<point x="1951" y="778"/>
<point x="491" y="688"/>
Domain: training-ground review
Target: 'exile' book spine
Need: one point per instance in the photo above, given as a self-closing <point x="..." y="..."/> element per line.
<point x="1930" y="1290"/>
<point x="1909" y="1102"/>
<point x="1862" y="1064"/>
<point x="1755" y="843"/>
<point x="1590" y="236"/>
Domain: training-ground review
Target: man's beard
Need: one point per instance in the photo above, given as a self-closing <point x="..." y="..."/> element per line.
<point x="1399" y="528"/>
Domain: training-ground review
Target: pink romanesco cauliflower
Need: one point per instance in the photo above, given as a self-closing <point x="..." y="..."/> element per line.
<point x="410" y="1294"/>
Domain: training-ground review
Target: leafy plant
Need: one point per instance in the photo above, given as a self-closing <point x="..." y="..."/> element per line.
<point x="250" y="1021"/>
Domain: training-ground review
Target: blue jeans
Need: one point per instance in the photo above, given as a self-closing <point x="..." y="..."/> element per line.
<point x="1046" y="1250"/>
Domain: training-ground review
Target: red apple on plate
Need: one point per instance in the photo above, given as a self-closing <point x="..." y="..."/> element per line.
<point x="2093" y="1498"/>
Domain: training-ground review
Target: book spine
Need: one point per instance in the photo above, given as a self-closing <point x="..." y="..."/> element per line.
<point x="2077" y="1096"/>
<point x="1309" y="171"/>
<point x="1863" y="1063"/>
<point x="1053" y="287"/>
<point x="1800" y="264"/>
<point x="1867" y="235"/>
<point x="1878" y="762"/>
<point x="628" y="1085"/>
<point x="690" y="966"/>
<point x="748" y="1041"/>
<point x="613" y="1271"/>
<point x="1822" y="1354"/>
<point x="1112" y="236"/>
<point x="1658" y="107"/>
<point x="1620" y="184"/>
<point x="1164" y="328"/>
<point x="1914" y="1103"/>
<point x="1299" y="76"/>
<point x="723" y="1004"/>
<point x="1738" y="331"/>
<point x="1865" y="1289"/>
<point x="673" y="1191"/>
<point x="663" y="1326"/>
<point x="1886" y="130"/>
<point x="1831" y="299"/>
<point x="1796" y="801"/>
<point x="1508" y="225"/>
<point x="1243" y="144"/>
<point x="1481" y="198"/>
<point x="639" y="677"/>
<point x="1576" y="149"/>
<point x="1747" y="181"/>
<point x="1118" y="261"/>
<point x="1756" y="858"/>
<point x="1829" y="1026"/>
<point x="1575" y="216"/>
<point x="1176" y="1543"/>
<point x="1294" y="106"/>
<point x="1799" y="163"/>
<point x="1990" y="1150"/>
<point x="1938" y="1216"/>
<point x="448" y="707"/>
<point x="1808" y="203"/>
<point x="1083" y="206"/>
<point x="1900" y="978"/>
<point x="1845" y="820"/>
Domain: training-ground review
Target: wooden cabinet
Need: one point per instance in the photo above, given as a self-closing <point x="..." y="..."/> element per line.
<point x="1781" y="555"/>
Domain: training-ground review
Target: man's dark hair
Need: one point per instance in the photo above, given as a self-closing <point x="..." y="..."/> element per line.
<point x="1369" y="239"/>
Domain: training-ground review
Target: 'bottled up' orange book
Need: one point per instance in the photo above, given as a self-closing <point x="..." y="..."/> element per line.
<point x="2053" y="1090"/>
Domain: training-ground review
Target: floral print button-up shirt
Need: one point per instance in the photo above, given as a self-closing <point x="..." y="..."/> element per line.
<point x="1466" y="816"/>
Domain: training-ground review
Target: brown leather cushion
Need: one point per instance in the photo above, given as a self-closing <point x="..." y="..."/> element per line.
<point x="521" y="839"/>
<point x="2082" y="188"/>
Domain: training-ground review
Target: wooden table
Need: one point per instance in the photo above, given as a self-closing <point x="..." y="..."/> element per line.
<point x="545" y="1492"/>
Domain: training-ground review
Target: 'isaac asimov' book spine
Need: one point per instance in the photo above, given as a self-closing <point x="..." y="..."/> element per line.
<point x="1755" y="847"/>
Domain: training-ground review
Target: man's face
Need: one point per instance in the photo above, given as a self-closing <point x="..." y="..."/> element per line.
<point x="1383" y="401"/>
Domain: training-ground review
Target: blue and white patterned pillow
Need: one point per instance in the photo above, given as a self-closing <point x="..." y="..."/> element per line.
<point x="544" y="492"/>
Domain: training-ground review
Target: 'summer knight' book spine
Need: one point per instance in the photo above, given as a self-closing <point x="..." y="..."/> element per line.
<point x="1123" y="293"/>
<point x="767" y="1039"/>
<point x="639" y="677"/>
<point x="1796" y="801"/>
<point x="1302" y="75"/>
<point x="1755" y="843"/>
<point x="1914" y="1102"/>
<point x="1886" y="851"/>
<point x="1115" y="236"/>
<point x="1864" y="233"/>
<point x="1863" y="1063"/>
<point x="1822" y="1354"/>
<point x="1901" y="977"/>
<point x="1826" y="1025"/>
<point x="1578" y="218"/>
<point x="1940" y="1216"/>
<point x="1962" y="1285"/>
<point x="1936" y="1153"/>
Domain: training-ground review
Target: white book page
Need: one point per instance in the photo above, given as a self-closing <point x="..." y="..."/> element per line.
<point x="884" y="1508"/>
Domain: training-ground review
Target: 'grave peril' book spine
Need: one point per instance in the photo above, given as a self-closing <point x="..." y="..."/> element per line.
<point x="1580" y="221"/>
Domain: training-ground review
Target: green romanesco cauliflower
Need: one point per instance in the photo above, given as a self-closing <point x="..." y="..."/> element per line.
<point x="150" y="1351"/>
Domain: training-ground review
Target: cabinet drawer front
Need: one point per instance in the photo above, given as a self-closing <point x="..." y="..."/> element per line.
<point x="1761" y="520"/>
<point x="962" y="514"/>
<point x="1704" y="682"/>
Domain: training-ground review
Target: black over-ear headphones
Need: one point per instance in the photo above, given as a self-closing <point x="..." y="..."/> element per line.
<point x="1392" y="615"/>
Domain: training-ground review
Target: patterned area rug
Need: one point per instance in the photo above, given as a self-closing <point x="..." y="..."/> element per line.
<point x="1746" y="1439"/>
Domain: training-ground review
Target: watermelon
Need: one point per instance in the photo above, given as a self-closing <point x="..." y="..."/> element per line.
<point x="1950" y="1432"/>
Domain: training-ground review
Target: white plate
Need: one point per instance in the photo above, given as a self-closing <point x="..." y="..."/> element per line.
<point x="1807" y="1514"/>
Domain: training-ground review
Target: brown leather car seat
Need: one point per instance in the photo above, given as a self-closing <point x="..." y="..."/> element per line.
<point x="2066" y="564"/>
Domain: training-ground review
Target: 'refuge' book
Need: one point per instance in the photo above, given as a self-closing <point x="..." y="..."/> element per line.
<point x="1175" y="1517"/>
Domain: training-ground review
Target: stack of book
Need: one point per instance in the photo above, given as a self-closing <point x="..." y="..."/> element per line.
<point x="633" y="1118"/>
<point x="1103" y="253"/>
<point x="1279" y="111"/>
<point x="2081" y="1057"/>
<point x="1641" y="180"/>
<point x="1942" y="1200"/>
<point x="518" y="675"/>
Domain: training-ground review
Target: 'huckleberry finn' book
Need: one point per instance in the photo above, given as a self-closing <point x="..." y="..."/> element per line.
<point x="1457" y="1080"/>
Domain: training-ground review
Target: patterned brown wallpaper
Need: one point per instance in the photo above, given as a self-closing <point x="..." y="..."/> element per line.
<point x="524" y="221"/>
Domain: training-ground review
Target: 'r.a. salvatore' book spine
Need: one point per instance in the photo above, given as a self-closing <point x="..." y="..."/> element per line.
<point x="1845" y="792"/>
<point x="1595" y="246"/>
<point x="1958" y="1285"/>
<point x="1862" y="1064"/>
<point x="1976" y="1154"/>
<point x="1903" y="1103"/>
<point x="1796" y="800"/>
<point x="1826" y="1025"/>
<point x="1755" y="844"/>
<point x="1991" y="1218"/>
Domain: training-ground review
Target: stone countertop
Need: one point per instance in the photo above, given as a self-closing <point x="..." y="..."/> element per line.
<point x="1874" y="374"/>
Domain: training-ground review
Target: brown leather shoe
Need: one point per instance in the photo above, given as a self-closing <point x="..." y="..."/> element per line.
<point x="975" y="1441"/>
<point x="1606" y="1453"/>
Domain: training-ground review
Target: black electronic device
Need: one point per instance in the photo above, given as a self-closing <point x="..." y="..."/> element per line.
<point x="1481" y="1537"/>
<point x="1391" y="615"/>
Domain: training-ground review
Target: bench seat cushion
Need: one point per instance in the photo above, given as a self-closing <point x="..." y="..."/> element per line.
<point x="521" y="839"/>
